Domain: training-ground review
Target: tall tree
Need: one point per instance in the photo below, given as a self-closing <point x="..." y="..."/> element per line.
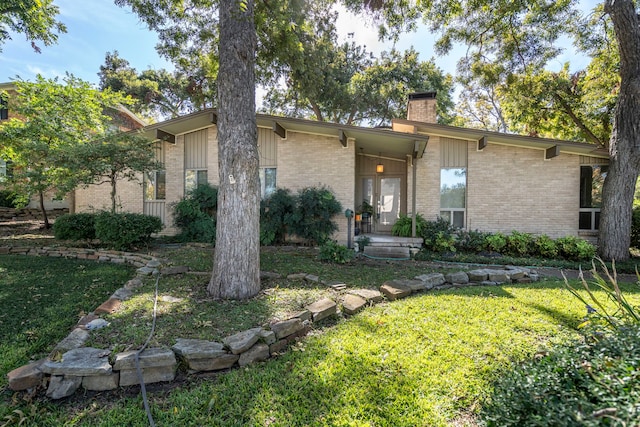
<point x="52" y="118"/>
<point x="36" y="19"/>
<point x="521" y="38"/>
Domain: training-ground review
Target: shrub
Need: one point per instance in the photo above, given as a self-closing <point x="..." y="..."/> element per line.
<point x="195" y="215"/>
<point x="276" y="214"/>
<point x="545" y="247"/>
<point x="471" y="241"/>
<point x="333" y="252"/>
<point x="80" y="226"/>
<point x="122" y="231"/>
<point x="635" y="228"/>
<point x="8" y="199"/>
<point x="496" y="242"/>
<point x="575" y="249"/>
<point x="363" y="241"/>
<point x="403" y="226"/>
<point x="312" y="219"/>
<point x="439" y="236"/>
<point x="519" y="244"/>
<point x="592" y="383"/>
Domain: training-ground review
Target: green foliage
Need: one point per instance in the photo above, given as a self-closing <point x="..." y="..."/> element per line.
<point x="439" y="236"/>
<point x="496" y="242"/>
<point x="195" y="215"/>
<point x="403" y="226"/>
<point x="122" y="231"/>
<point x="635" y="228"/>
<point x="519" y="244"/>
<point x="80" y="226"/>
<point x="313" y="217"/>
<point x="335" y="253"/>
<point x="574" y="248"/>
<point x="35" y="19"/>
<point x="592" y="383"/>
<point x="276" y="214"/>
<point x="363" y="241"/>
<point x="472" y="241"/>
<point x="545" y="247"/>
<point x="9" y="199"/>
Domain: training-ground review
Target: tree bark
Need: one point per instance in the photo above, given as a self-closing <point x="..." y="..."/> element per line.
<point x="624" y="146"/>
<point x="43" y="210"/>
<point x="236" y="266"/>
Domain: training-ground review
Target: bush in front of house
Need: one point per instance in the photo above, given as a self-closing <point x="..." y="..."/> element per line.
<point x="122" y="231"/>
<point x="404" y="224"/>
<point x="9" y="199"/>
<point x="471" y="241"/>
<point x="439" y="236"/>
<point x="519" y="244"/>
<point x="195" y="215"/>
<point x="312" y="219"/>
<point x="79" y="226"/>
<point x="575" y="249"/>
<point x="545" y="247"/>
<point x="588" y="383"/>
<point x="335" y="253"/>
<point x="496" y="242"/>
<point x="276" y="215"/>
<point x="635" y="228"/>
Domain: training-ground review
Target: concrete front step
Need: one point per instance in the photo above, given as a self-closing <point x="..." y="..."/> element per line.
<point x="400" y="252"/>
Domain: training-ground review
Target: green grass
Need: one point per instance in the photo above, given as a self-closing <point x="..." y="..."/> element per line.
<point x="41" y="300"/>
<point x="428" y="360"/>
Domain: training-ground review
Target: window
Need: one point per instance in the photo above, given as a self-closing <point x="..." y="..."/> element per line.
<point x="194" y="178"/>
<point x="155" y="185"/>
<point x="591" y="181"/>
<point x="453" y="188"/>
<point x="4" y="111"/>
<point x="267" y="181"/>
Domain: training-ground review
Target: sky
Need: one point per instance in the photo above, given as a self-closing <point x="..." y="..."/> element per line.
<point x="95" y="27"/>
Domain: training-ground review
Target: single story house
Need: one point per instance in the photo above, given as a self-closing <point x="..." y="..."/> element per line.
<point x="477" y="180"/>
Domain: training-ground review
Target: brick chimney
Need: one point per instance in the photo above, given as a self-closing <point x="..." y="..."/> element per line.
<point x="422" y="107"/>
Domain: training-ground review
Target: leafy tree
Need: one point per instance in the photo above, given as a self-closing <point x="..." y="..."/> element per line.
<point x="112" y="158"/>
<point x="36" y="19"/>
<point x="53" y="118"/>
<point x="518" y="40"/>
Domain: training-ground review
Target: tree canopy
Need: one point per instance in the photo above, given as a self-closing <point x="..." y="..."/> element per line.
<point x="36" y="19"/>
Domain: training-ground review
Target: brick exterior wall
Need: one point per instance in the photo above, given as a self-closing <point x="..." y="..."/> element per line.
<point x="422" y="110"/>
<point x="98" y="197"/>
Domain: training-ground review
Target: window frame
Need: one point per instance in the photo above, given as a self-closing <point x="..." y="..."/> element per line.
<point x="592" y="211"/>
<point x="198" y="173"/>
<point x="449" y="213"/>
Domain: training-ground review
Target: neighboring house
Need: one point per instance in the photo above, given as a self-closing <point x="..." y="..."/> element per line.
<point x="122" y="120"/>
<point x="475" y="179"/>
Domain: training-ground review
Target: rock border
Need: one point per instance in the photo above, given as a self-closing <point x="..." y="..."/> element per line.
<point x="71" y="366"/>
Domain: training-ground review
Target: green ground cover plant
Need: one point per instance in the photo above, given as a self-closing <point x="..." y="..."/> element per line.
<point x="426" y="360"/>
<point x="41" y="300"/>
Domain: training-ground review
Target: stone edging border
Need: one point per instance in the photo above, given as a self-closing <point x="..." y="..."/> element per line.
<point x="71" y="366"/>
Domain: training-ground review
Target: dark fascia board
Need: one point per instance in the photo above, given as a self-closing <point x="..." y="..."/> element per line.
<point x="165" y="136"/>
<point x="279" y="130"/>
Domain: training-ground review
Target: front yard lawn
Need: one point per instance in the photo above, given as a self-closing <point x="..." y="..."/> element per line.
<point x="427" y="360"/>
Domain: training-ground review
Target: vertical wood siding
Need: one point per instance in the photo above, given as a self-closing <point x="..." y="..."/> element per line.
<point x="453" y="153"/>
<point x="195" y="150"/>
<point x="268" y="148"/>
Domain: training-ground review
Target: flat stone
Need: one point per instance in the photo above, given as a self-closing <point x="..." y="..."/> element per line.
<point x="154" y="263"/>
<point x="170" y="299"/>
<point x="223" y="361"/>
<point x="63" y="386"/>
<point x="396" y="252"/>
<point x="312" y="278"/>
<point x="416" y="285"/>
<point x="267" y="337"/>
<point x="96" y="324"/>
<point x="370" y="295"/>
<point x="75" y="339"/>
<point x="302" y="315"/>
<point x="457" y="277"/>
<point x="146" y="271"/>
<point x="351" y="304"/>
<point x="109" y="306"/>
<point x="172" y="271"/>
<point x="488" y="283"/>
<point x="322" y="309"/>
<point x="133" y="284"/>
<point x="101" y="382"/>
<point x="478" y="275"/>
<point x="151" y="357"/>
<point x="269" y="275"/>
<point x="26" y="377"/>
<point x="122" y="294"/>
<point x="197" y="349"/>
<point x="394" y="291"/>
<point x="83" y="361"/>
<point x="432" y="280"/>
<point x="82" y="323"/>
<point x="281" y="345"/>
<point x="296" y="276"/>
<point x="242" y="341"/>
<point x="150" y="375"/>
<point x="287" y="327"/>
<point x="257" y="353"/>
<point x="524" y="280"/>
<point x="498" y="276"/>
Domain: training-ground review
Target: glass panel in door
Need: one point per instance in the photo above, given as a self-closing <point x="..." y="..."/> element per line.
<point x="389" y="203"/>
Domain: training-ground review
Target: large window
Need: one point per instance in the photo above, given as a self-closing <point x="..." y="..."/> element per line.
<point x="155" y="185"/>
<point x="194" y="178"/>
<point x="453" y="189"/>
<point x="591" y="181"/>
<point x="267" y="181"/>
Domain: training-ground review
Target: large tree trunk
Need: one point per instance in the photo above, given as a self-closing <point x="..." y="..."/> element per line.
<point x="624" y="146"/>
<point x="236" y="266"/>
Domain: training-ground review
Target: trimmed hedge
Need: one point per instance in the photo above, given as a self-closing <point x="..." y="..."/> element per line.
<point x="122" y="231"/>
<point x="195" y="215"/>
<point x="80" y="226"/>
